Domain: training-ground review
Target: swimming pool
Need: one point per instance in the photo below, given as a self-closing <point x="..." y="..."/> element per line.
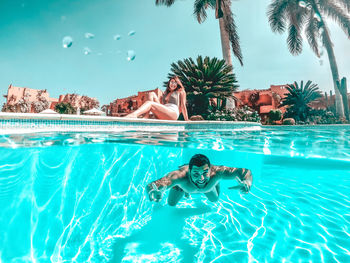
<point x="79" y="197"/>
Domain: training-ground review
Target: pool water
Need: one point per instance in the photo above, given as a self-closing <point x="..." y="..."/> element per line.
<point x="80" y="197"/>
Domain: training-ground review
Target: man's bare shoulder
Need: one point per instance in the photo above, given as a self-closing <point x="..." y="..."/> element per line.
<point x="180" y="173"/>
<point x="219" y="169"/>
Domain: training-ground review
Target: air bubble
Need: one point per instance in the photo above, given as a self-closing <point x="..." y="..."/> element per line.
<point x="67" y="41"/>
<point x="131" y="55"/>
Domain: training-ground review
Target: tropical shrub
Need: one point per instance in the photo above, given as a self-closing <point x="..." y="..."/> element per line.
<point x="298" y="99"/>
<point x="65" y="108"/>
<point x="237" y="114"/>
<point x="324" y="116"/>
<point x="204" y="79"/>
<point x="275" y="115"/>
<point x="8" y="108"/>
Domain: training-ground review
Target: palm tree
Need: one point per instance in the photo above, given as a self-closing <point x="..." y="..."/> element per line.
<point x="204" y="79"/>
<point x="228" y="29"/>
<point x="310" y="15"/>
<point x="299" y="98"/>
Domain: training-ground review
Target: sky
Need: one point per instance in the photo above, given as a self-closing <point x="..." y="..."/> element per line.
<point x="32" y="54"/>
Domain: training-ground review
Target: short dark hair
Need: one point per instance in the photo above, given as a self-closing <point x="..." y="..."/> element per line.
<point x="199" y="160"/>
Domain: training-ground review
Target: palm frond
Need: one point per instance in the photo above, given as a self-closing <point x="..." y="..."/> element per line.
<point x="294" y="40"/>
<point x="312" y="34"/>
<point x="276" y="14"/>
<point x="200" y="7"/>
<point x="337" y="14"/>
<point x="344" y="4"/>
<point x="165" y="2"/>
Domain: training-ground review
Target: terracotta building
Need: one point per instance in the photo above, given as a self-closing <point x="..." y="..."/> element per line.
<point x="19" y="99"/>
<point x="262" y="100"/>
<point x="16" y="95"/>
<point x="122" y="107"/>
<point x="79" y="101"/>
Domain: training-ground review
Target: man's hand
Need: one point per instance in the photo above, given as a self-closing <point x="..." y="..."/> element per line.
<point x="244" y="185"/>
<point x="156" y="193"/>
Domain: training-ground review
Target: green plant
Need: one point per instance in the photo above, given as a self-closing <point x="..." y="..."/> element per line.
<point x="324" y="116"/>
<point x="237" y="114"/>
<point x="65" y="108"/>
<point x="204" y="79"/>
<point x="275" y="115"/>
<point x="298" y="98"/>
<point x="8" y="108"/>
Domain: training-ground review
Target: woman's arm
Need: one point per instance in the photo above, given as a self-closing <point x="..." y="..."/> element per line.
<point x="183" y="108"/>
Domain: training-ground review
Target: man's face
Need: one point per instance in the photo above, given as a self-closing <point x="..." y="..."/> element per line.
<point x="200" y="175"/>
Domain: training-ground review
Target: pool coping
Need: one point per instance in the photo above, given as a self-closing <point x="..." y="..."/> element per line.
<point x="34" y="122"/>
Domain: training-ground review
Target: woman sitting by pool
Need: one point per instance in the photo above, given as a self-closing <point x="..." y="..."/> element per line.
<point x="173" y="103"/>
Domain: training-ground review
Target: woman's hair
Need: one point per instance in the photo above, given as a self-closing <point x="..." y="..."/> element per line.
<point x="168" y="88"/>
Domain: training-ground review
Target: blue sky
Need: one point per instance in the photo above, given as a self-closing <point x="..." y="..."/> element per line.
<point x="31" y="33"/>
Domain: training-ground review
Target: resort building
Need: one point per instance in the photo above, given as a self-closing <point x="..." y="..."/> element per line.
<point x="22" y="99"/>
<point x="26" y="96"/>
<point x="79" y="101"/>
<point x="15" y="94"/>
<point x="262" y="100"/>
<point x="122" y="107"/>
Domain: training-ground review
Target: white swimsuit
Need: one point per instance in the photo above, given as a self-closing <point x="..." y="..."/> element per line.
<point x="174" y="108"/>
<point x="173" y="103"/>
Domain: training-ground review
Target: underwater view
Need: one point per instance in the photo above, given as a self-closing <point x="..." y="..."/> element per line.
<point x="205" y="131"/>
<point x="82" y="197"/>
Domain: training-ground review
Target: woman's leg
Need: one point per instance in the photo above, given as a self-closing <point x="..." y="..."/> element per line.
<point x="159" y="110"/>
<point x="151" y="97"/>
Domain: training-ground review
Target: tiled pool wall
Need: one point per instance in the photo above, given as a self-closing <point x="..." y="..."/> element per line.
<point x="15" y="123"/>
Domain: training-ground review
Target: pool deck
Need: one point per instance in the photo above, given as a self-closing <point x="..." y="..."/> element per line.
<point x="33" y="122"/>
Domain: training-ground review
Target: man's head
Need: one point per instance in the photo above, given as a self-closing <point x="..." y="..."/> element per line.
<point x="199" y="169"/>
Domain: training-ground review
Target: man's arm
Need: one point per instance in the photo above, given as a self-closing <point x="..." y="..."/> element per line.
<point x="242" y="175"/>
<point x="156" y="188"/>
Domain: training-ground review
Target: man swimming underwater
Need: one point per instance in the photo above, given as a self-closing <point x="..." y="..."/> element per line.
<point x="198" y="177"/>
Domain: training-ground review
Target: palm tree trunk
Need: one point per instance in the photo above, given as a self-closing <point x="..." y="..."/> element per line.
<point x="225" y="42"/>
<point x="344" y="94"/>
<point x="334" y="68"/>
<point x="226" y="49"/>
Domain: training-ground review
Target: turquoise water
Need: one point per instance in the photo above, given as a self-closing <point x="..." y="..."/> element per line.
<point x="79" y="197"/>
